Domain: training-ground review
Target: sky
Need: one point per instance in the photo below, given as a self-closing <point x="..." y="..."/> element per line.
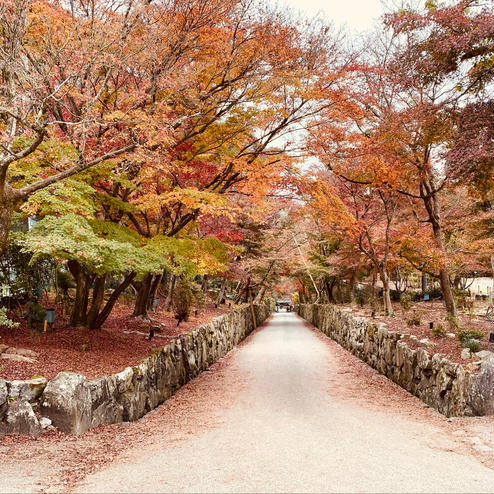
<point x="357" y="15"/>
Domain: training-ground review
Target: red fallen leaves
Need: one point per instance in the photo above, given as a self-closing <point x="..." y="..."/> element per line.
<point x="435" y="313"/>
<point x="93" y="352"/>
<point x="69" y="459"/>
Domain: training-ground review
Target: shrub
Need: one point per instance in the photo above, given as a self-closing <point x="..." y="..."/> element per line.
<point x="182" y="301"/>
<point x="5" y="321"/>
<point x="438" y="330"/>
<point x="415" y="319"/>
<point x="365" y="295"/>
<point x="453" y="323"/>
<point x="359" y="297"/>
<point x="465" y="335"/>
<point x="64" y="281"/>
<point x="35" y="315"/>
<point x="395" y="295"/>
<point x="406" y="301"/>
<point x="198" y="297"/>
<point x="461" y="299"/>
<point x="473" y="345"/>
<point x="434" y="293"/>
<point x="375" y="303"/>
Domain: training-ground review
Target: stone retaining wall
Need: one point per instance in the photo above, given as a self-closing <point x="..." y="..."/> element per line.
<point x="444" y="385"/>
<point x="75" y="404"/>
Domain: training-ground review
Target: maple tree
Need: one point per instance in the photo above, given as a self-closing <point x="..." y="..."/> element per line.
<point x="154" y="152"/>
<point x="90" y="77"/>
<point x="157" y="143"/>
<point x="364" y="216"/>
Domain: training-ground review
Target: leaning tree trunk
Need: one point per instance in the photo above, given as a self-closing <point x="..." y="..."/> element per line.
<point x="141" y="303"/>
<point x="260" y="295"/>
<point x="103" y="315"/>
<point x="221" y="294"/>
<point x="153" y="292"/>
<point x="243" y="291"/>
<point x="97" y="301"/>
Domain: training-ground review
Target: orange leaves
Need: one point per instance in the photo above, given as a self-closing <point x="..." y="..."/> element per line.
<point x="328" y="208"/>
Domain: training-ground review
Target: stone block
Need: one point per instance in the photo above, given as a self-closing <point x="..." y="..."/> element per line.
<point x="123" y="379"/>
<point x="29" y="390"/>
<point x="4" y="398"/>
<point x="17" y="358"/>
<point x="481" y="392"/>
<point x="423" y="359"/>
<point x="21" y="419"/>
<point x="66" y="400"/>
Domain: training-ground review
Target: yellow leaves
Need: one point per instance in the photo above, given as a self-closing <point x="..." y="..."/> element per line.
<point x="325" y="204"/>
<point x="189" y="200"/>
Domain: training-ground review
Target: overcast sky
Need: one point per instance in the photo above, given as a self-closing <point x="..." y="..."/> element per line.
<point x="357" y="15"/>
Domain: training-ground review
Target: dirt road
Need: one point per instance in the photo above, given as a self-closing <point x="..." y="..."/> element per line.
<point x="288" y="411"/>
<point x="291" y="430"/>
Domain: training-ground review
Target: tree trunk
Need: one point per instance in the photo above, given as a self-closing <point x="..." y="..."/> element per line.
<point x="431" y="202"/>
<point x="153" y="292"/>
<point x="388" y="307"/>
<point x="329" y="290"/>
<point x="352" y="283"/>
<point x="103" y="315"/>
<point x="374" y="281"/>
<point x="260" y="295"/>
<point x="141" y="303"/>
<point x="447" y="292"/>
<point x="221" y="294"/>
<point x="204" y="285"/>
<point x="6" y="210"/>
<point x="424" y="283"/>
<point x="83" y="282"/>
<point x="457" y="282"/>
<point x="169" y="295"/>
<point x="444" y="275"/>
<point x="242" y="292"/>
<point x="97" y="301"/>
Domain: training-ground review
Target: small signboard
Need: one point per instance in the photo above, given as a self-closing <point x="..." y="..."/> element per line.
<point x="426" y="297"/>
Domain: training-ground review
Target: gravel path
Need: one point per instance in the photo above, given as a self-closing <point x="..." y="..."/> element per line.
<point x="305" y="416"/>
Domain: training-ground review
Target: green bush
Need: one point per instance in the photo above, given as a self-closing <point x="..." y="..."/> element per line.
<point x="35" y="315"/>
<point x="453" y="322"/>
<point x="5" y="321"/>
<point x="438" y="330"/>
<point x="434" y="294"/>
<point x="465" y="335"/>
<point x="406" y="301"/>
<point x="462" y="300"/>
<point x="415" y="319"/>
<point x="64" y="281"/>
<point x="182" y="301"/>
<point x="473" y="345"/>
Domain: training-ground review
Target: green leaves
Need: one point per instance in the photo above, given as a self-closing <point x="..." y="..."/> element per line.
<point x="73" y="196"/>
<point x="110" y="248"/>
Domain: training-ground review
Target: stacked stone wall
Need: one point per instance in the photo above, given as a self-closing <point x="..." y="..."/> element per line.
<point x="74" y="404"/>
<point x="442" y="384"/>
